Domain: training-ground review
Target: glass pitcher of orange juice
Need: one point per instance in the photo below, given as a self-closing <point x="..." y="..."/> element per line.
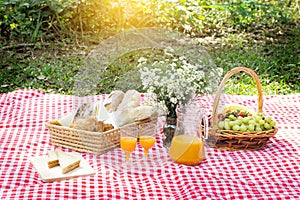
<point x="187" y="146"/>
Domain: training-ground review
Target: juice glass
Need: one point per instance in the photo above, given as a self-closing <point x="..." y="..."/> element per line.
<point x="187" y="146"/>
<point x="128" y="139"/>
<point x="147" y="137"/>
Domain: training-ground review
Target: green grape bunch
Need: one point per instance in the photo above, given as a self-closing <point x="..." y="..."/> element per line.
<point x="244" y="121"/>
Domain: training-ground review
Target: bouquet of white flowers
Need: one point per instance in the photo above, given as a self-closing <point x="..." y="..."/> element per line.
<point x="175" y="82"/>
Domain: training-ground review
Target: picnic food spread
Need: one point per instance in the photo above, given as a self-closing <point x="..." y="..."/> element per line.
<point x="120" y="109"/>
<point x="94" y="127"/>
<point x="222" y="174"/>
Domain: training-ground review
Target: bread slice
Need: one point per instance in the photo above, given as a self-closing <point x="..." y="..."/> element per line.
<point x="67" y="161"/>
<point x="52" y="159"/>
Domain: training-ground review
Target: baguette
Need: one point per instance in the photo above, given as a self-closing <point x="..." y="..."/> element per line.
<point x="131" y="100"/>
<point x="113" y="100"/>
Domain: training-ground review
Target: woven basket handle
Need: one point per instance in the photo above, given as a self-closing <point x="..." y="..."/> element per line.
<point x="226" y="77"/>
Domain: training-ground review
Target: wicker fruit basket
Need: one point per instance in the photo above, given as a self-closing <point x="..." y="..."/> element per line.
<point x="238" y="140"/>
<point x="90" y="142"/>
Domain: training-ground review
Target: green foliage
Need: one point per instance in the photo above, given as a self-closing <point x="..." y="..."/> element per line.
<point x="27" y="20"/>
<point x="91" y="15"/>
<point x="244" y="14"/>
<point x="34" y="18"/>
<point x="210" y="17"/>
<point x="113" y="16"/>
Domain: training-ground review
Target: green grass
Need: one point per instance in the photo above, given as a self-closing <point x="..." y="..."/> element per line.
<point x="277" y="65"/>
<point x="45" y="70"/>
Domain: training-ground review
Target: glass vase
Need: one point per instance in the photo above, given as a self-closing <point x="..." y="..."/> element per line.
<point x="169" y="129"/>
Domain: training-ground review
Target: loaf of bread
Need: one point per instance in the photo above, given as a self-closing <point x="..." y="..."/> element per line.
<point x="113" y="100"/>
<point x="144" y="112"/>
<point x="86" y="118"/>
<point x="135" y="114"/>
<point x="131" y="99"/>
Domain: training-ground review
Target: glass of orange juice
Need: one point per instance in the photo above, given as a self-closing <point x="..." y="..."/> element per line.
<point x="187" y="146"/>
<point x="128" y="139"/>
<point x="147" y="137"/>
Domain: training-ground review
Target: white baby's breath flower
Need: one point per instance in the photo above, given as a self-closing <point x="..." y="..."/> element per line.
<point x="173" y="100"/>
<point x="154" y="63"/>
<point x="173" y="65"/>
<point x="142" y="60"/>
<point x="172" y="82"/>
<point x="182" y="58"/>
<point x="169" y="49"/>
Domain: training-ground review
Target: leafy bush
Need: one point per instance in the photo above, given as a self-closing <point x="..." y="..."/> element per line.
<point x="28" y="20"/>
<point x="113" y="16"/>
<point x="31" y="19"/>
<point x="244" y="14"/>
<point x="202" y="16"/>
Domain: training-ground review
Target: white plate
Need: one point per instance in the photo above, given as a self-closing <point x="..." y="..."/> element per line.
<point x="40" y="163"/>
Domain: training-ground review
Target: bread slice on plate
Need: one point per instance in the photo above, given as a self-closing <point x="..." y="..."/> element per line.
<point x="52" y="159"/>
<point x="67" y="161"/>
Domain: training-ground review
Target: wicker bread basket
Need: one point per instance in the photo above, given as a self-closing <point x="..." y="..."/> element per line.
<point x="238" y="140"/>
<point x="90" y="142"/>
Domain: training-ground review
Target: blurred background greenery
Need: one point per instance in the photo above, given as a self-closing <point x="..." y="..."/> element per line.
<point x="44" y="43"/>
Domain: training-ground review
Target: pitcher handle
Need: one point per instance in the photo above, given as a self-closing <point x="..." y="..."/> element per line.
<point x="204" y="119"/>
<point x="205" y="127"/>
<point x="204" y="135"/>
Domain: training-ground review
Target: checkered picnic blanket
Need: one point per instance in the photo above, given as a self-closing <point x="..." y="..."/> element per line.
<point x="270" y="173"/>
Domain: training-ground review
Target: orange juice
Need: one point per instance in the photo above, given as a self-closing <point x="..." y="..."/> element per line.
<point x="128" y="144"/>
<point x="187" y="149"/>
<point x="147" y="142"/>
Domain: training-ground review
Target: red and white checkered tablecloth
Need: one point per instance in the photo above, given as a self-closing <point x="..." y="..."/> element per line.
<point x="270" y="173"/>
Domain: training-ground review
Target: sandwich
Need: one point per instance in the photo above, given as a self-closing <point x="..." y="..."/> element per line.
<point x="52" y="159"/>
<point x="67" y="161"/>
